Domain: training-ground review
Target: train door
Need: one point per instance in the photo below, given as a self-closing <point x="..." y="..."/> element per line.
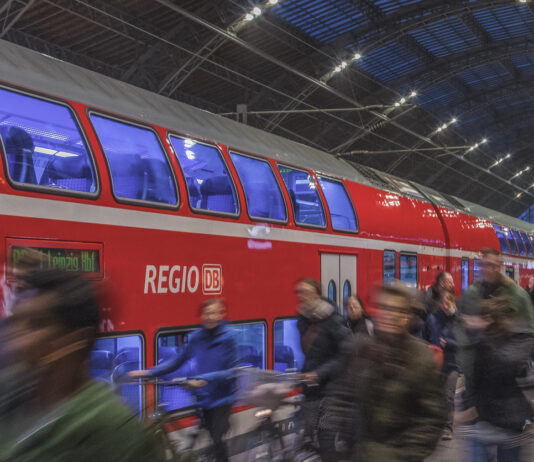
<point x="338" y="277"/>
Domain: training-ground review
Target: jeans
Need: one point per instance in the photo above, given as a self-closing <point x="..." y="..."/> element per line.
<point x="450" y="378"/>
<point x="489" y="439"/>
<point x="217" y="421"/>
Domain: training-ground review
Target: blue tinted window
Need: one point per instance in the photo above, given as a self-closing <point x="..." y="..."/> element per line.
<point x="502" y="240"/>
<point x="287" y="350"/>
<point x="332" y="291"/>
<point x="173" y="397"/>
<point x="390" y="266"/>
<point x="509" y="271"/>
<point x="408" y="269"/>
<point x="138" y="164"/>
<point x="477" y="275"/>
<point x="43" y="144"/>
<point x="262" y="192"/>
<point x="339" y="204"/>
<point x="465" y="274"/>
<point x="307" y="206"/>
<point x="511" y="241"/>
<point x="347" y="291"/>
<point x="520" y="245"/>
<point x="111" y="360"/>
<point x="528" y="244"/>
<point x="250" y="340"/>
<point x="209" y="183"/>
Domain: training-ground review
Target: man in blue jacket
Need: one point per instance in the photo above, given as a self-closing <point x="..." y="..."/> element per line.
<point x="215" y="351"/>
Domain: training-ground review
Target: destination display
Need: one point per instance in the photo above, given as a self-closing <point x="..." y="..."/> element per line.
<point x="75" y="260"/>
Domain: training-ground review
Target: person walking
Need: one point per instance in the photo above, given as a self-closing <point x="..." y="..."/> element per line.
<point x="388" y="404"/>
<point x="440" y="330"/>
<point x="214" y="348"/>
<point x="322" y="333"/>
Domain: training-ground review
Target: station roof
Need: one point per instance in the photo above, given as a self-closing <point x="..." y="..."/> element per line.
<point x="405" y="86"/>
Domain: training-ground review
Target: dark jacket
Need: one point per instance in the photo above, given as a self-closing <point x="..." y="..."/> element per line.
<point x="500" y="358"/>
<point x="323" y="355"/>
<point x="364" y="325"/>
<point x="215" y="352"/>
<point x="442" y="325"/>
<point x="389" y="399"/>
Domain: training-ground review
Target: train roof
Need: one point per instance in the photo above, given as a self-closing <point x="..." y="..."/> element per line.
<point x="27" y="68"/>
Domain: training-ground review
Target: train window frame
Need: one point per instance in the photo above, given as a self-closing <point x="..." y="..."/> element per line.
<point x="17" y="185"/>
<point x="131" y="333"/>
<point x="275" y="320"/>
<point x="528" y="244"/>
<point x="499" y="228"/>
<point x="172" y="330"/>
<point x="311" y="174"/>
<point x="280" y="188"/>
<point x="394" y="252"/>
<point x="519" y="241"/>
<point x="463" y="261"/>
<point x="340" y="182"/>
<point x="510" y="238"/>
<point x="410" y="254"/>
<point x="127" y="121"/>
<point x="195" y="210"/>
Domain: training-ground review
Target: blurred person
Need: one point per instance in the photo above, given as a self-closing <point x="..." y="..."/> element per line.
<point x="388" y="404"/>
<point x="357" y="319"/>
<point x="64" y="415"/>
<point x="214" y="348"/>
<point x="444" y="283"/>
<point x="322" y="334"/>
<point x="440" y="330"/>
<point x="495" y="403"/>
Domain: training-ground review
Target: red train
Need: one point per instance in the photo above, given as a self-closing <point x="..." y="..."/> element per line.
<point x="168" y="205"/>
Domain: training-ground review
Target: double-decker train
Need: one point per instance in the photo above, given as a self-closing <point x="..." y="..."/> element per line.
<point x="166" y="205"/>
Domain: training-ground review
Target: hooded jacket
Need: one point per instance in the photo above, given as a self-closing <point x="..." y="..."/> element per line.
<point x="442" y="325"/>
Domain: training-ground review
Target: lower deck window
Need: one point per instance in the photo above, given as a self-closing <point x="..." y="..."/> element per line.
<point x="111" y="360"/>
<point x="408" y="269"/>
<point x="287" y="350"/>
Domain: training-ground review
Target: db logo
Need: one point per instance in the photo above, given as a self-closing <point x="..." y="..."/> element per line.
<point x="212" y="279"/>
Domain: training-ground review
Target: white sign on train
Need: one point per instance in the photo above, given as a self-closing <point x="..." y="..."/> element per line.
<point x="178" y="279"/>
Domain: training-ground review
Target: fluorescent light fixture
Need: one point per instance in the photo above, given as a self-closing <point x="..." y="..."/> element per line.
<point x="256" y="11"/>
<point x="66" y="154"/>
<point x="249" y="17"/>
<point x="413" y="94"/>
<point x="45" y="150"/>
<point x="357" y="56"/>
<point x="397" y="104"/>
<point x="454" y="120"/>
<point x="485" y="140"/>
<point x="444" y="126"/>
<point x="273" y="2"/>
<point x="402" y="100"/>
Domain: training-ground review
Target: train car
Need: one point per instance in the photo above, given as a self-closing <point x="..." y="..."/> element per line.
<point x="164" y="205"/>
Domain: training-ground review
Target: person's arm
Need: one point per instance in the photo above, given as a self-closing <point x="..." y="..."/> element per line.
<point x="171" y="364"/>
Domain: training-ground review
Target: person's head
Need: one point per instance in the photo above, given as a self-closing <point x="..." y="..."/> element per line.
<point x="444" y="282"/>
<point x="447" y="302"/>
<point x="308" y="290"/>
<point x="54" y="322"/>
<point x="354" y="307"/>
<point x="394" y="309"/>
<point x="491" y="266"/>
<point x="212" y="312"/>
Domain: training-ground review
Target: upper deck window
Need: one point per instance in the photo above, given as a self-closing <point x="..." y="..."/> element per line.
<point x="520" y="245"/>
<point x="511" y="241"/>
<point x="307" y="205"/>
<point x="528" y="244"/>
<point x="340" y="205"/>
<point x="43" y="144"/>
<point x="137" y="163"/>
<point x="262" y="191"/>
<point x="208" y="180"/>
<point x="502" y="240"/>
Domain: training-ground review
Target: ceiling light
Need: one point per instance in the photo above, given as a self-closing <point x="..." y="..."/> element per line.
<point x="402" y="100"/>
<point x="397" y="104"/>
<point x="413" y="94"/>
<point x="439" y="129"/>
<point x="256" y="11"/>
<point x="45" y="150"/>
<point x="444" y="126"/>
<point x="485" y="140"/>
<point x="66" y="154"/>
<point x="357" y="56"/>
<point x="454" y="120"/>
<point x="518" y="195"/>
<point x="508" y="156"/>
<point x="273" y="2"/>
<point x="249" y="17"/>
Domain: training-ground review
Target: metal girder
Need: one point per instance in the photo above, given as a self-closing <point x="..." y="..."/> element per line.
<point x="13" y="15"/>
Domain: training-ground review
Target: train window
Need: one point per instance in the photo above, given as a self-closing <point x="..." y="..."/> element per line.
<point x="520" y="245"/>
<point x="262" y="191"/>
<point x="502" y="240"/>
<point x="251" y="340"/>
<point x="347" y="291"/>
<point x="287" y="350"/>
<point x="389" y="268"/>
<point x="43" y="144"/>
<point x="341" y="209"/>
<point x="332" y="291"/>
<point x="528" y="244"/>
<point x="465" y="273"/>
<point x="307" y="205"/>
<point x="509" y="271"/>
<point x="408" y="269"/>
<point x="511" y="241"/>
<point x="110" y="361"/>
<point x="477" y="267"/>
<point x="209" y="182"/>
<point x="137" y="162"/>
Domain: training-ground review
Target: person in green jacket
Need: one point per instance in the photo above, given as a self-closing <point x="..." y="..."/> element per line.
<point x="55" y="412"/>
<point x="388" y="405"/>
